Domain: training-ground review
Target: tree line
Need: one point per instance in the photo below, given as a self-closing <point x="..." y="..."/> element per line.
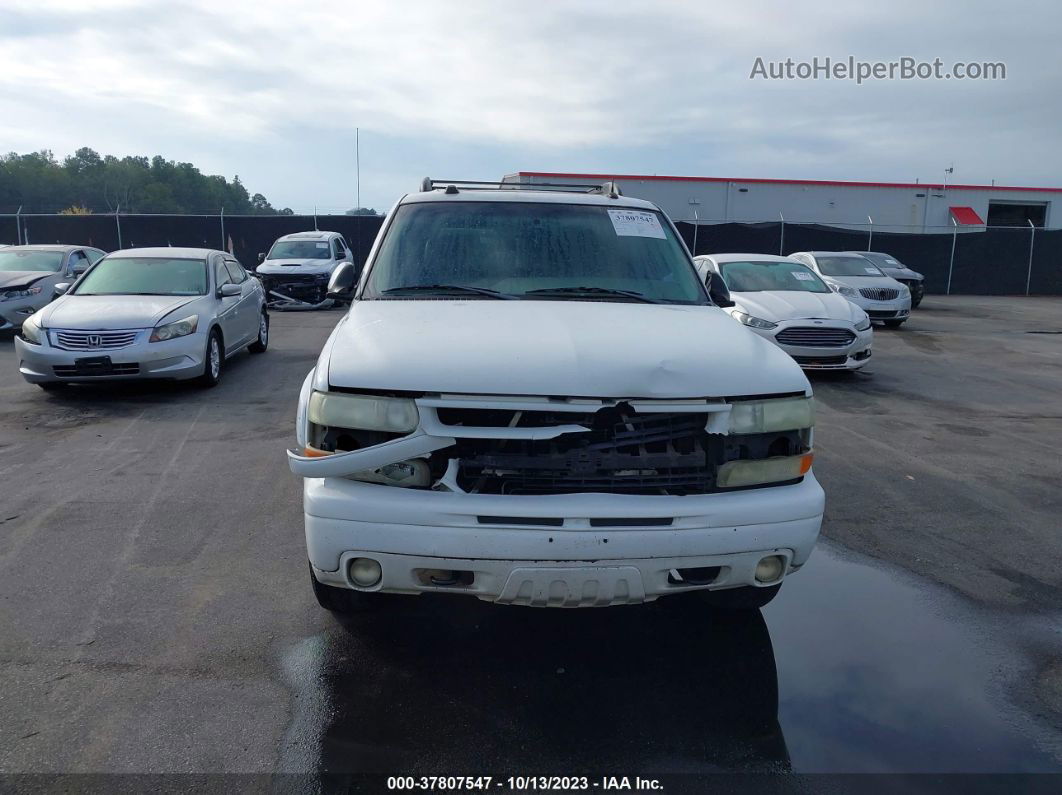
<point x="86" y="182"/>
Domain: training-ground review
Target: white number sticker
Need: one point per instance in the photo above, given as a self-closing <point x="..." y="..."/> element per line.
<point x="804" y="276"/>
<point x="636" y="223"/>
<point x="871" y="271"/>
<point x="322" y="245"/>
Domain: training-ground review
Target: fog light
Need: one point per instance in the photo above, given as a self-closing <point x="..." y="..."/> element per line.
<point x="365" y="572"/>
<point x="770" y="568"/>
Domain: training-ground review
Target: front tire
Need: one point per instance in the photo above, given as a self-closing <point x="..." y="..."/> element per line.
<point x="260" y="344"/>
<point x="747" y="597"/>
<point x="213" y="361"/>
<point x="918" y="292"/>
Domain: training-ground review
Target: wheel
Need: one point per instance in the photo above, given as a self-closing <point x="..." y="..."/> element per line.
<point x="52" y="386"/>
<point x="341" y="600"/>
<point x="895" y="323"/>
<point x="918" y="292"/>
<point x="747" y="597"/>
<point x="213" y="360"/>
<point x="260" y="344"/>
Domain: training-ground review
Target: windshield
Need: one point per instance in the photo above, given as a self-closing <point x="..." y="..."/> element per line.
<point x="23" y="260"/>
<point x="848" y="266"/>
<point x="145" y="276"/>
<point x="883" y="260"/>
<point x="756" y="276"/>
<point x="300" y="249"/>
<point x="533" y="251"/>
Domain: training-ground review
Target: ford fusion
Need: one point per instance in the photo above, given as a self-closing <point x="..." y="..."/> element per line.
<point x="783" y="301"/>
<point x="533" y="400"/>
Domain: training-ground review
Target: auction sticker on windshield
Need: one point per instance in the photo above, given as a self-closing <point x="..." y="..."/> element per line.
<point x="636" y="223"/>
<point x="803" y="276"/>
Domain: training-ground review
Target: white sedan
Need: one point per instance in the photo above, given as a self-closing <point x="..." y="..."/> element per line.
<point x="786" y="302"/>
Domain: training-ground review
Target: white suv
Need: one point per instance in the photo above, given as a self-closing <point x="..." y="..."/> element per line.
<point x="296" y="269"/>
<point x="534" y="400"/>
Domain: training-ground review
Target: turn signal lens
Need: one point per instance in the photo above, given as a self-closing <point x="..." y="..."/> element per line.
<point x="734" y="474"/>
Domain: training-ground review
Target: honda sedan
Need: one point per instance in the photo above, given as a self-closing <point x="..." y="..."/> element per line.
<point x="173" y="313"/>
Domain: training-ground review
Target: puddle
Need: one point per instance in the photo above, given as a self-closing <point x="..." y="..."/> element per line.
<point x="854" y="668"/>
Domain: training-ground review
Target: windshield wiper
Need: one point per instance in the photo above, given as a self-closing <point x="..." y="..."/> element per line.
<point x="447" y="288"/>
<point x="591" y="292"/>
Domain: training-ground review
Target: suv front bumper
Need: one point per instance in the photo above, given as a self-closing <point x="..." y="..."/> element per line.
<point x="592" y="553"/>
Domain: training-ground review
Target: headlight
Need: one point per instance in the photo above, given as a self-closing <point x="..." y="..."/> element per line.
<point x="844" y="289"/>
<point x="755" y="322"/>
<point x="863" y="324"/>
<point x="765" y="416"/>
<point x="31" y="330"/>
<point x="178" y="328"/>
<point x="768" y="470"/>
<point x="25" y="292"/>
<point x="330" y="409"/>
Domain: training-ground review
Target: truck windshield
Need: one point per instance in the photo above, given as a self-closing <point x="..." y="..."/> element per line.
<point x="532" y="251"/>
<point x="300" y="249"/>
<point x="145" y="276"/>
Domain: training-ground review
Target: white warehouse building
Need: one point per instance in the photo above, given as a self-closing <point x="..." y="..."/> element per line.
<point x="882" y="206"/>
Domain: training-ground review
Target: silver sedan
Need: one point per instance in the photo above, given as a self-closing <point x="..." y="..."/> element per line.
<point x="173" y="313"/>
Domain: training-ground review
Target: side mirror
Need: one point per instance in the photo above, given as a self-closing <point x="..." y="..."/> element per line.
<point x="229" y="290"/>
<point x="342" y="282"/>
<point x="60" y="289"/>
<point x="719" y="292"/>
<point x="261" y="256"/>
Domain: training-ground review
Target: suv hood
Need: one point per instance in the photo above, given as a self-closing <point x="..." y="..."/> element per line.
<point x="110" y="311"/>
<point x="563" y="348"/>
<point x="9" y="279"/>
<point x="279" y="267"/>
<point x="776" y="305"/>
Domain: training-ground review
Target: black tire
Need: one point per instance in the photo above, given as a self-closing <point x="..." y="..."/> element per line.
<point x="747" y="597"/>
<point x="341" y="600"/>
<point x="213" y="360"/>
<point x="52" y="386"/>
<point x="895" y="323"/>
<point x="918" y="292"/>
<point x="262" y="343"/>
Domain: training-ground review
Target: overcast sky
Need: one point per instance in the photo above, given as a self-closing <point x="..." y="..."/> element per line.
<point x="273" y="91"/>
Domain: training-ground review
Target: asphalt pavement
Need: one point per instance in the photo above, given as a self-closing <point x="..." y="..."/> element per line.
<point x="156" y="616"/>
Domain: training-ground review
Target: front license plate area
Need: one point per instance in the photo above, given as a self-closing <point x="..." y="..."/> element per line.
<point x="93" y="365"/>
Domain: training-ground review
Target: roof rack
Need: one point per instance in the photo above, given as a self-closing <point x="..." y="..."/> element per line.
<point x="610" y="189"/>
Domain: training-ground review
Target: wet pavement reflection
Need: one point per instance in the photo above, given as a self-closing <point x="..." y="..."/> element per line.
<point x="853" y="668"/>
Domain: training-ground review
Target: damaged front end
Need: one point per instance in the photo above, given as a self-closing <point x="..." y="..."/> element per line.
<point x="540" y="445"/>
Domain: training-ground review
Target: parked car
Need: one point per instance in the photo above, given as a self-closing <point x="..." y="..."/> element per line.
<point x="861" y="282"/>
<point x="533" y="400"/>
<point x="296" y="269"/>
<point x="785" y="302"/>
<point x="890" y="266"/>
<point x="28" y="275"/>
<point x="172" y="313"/>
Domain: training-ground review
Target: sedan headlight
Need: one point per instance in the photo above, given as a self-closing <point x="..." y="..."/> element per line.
<point x="365" y="412"/>
<point x="765" y="416"/>
<point x="31" y="330"/>
<point x="864" y="324"/>
<point x="754" y="322"/>
<point x="178" y="328"/>
<point x="844" y="289"/>
<point x="20" y="292"/>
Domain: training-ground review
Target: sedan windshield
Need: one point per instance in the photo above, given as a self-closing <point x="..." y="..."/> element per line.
<point x="883" y="260"/>
<point x="532" y="251"/>
<point x="300" y="249"/>
<point x="757" y="276"/>
<point x="145" y="276"/>
<point x="23" y="260"/>
<point x="848" y="266"/>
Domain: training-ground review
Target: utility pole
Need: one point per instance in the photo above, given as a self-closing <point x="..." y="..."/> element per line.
<point x="357" y="165"/>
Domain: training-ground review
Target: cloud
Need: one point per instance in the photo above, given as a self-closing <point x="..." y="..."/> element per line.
<point x="582" y="86"/>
